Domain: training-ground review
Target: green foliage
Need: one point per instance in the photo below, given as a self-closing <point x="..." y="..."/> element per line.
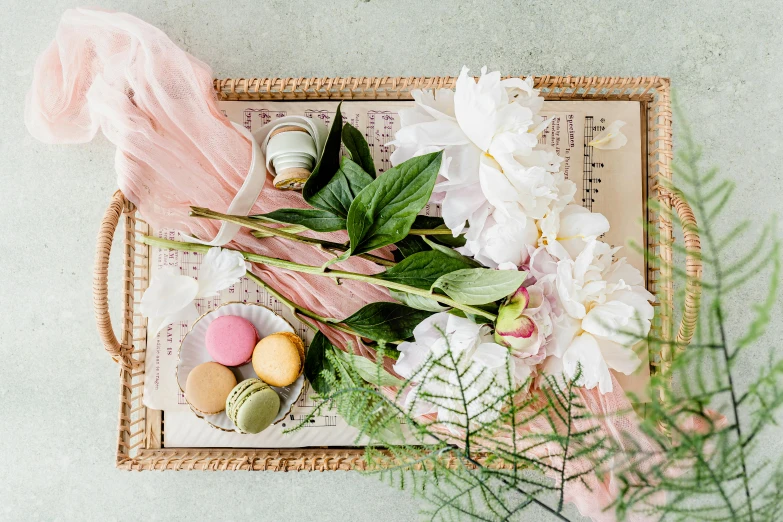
<point x="473" y="463"/>
<point x="478" y="286"/>
<point x="340" y="191"/>
<point x="329" y="162"/>
<point x="709" y="468"/>
<point x="311" y="218"/>
<point x="317" y="364"/>
<point x="422" y="269"/>
<point x="385" y="322"/>
<point x="358" y="147"/>
<point x="384" y="211"/>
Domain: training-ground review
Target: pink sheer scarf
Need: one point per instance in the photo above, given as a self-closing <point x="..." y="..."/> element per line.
<point x="156" y="103"/>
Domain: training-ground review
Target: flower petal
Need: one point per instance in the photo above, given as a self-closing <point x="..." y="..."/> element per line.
<point x="491" y="355"/>
<point x="168" y="293"/>
<point x="186" y="314"/>
<point x="611" y="138"/>
<point x="220" y="269"/>
<point x="584" y="358"/>
<point x="618" y="357"/>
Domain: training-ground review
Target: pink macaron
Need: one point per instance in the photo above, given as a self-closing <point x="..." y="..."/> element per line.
<point x="231" y="340"/>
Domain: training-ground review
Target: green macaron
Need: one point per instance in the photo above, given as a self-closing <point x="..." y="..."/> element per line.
<point x="252" y="405"/>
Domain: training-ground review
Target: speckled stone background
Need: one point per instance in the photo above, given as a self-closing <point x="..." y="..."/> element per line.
<point x="58" y="390"/>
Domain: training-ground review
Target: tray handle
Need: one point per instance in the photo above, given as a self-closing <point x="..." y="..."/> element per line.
<point x="693" y="268"/>
<point x="100" y="278"/>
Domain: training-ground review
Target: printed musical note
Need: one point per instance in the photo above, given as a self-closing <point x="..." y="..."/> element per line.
<point x="381" y="126"/>
<point x="254" y="119"/>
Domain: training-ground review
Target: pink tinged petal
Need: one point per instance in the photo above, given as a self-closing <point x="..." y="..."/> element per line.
<point x="520" y="298"/>
<point x="618" y="357"/>
<point x="522" y="371"/>
<point x="553" y="366"/>
<point x="169" y="292"/>
<point x="585" y="353"/>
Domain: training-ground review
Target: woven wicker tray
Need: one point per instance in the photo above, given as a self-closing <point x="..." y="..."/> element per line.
<point x="140" y="429"/>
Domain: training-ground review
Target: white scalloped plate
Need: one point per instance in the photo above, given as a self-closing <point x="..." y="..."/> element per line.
<point x="193" y="351"/>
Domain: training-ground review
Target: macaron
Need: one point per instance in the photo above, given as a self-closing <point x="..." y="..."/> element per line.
<point x="252" y="406"/>
<point x="230" y="340"/>
<point x="278" y="359"/>
<point x="208" y="386"/>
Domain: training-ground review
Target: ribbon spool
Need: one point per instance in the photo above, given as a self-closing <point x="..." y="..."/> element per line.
<point x="291" y="155"/>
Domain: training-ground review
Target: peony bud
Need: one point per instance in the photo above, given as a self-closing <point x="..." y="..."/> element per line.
<point x="513" y="328"/>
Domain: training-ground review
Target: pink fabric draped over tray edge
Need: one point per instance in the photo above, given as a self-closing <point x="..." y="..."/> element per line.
<point x="155" y="102"/>
<point x="175" y="148"/>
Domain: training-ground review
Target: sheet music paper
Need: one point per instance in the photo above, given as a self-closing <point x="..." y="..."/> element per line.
<point x="607" y="181"/>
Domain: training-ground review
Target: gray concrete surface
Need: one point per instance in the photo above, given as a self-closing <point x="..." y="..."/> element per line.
<point x="58" y="391"/>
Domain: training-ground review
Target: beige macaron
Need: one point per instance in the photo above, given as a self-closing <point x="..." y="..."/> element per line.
<point x="208" y="386"/>
<point x="278" y="359"/>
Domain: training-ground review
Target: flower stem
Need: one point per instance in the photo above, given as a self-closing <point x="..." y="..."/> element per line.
<point x="296" y="309"/>
<point x="323" y="272"/>
<point x="252" y="224"/>
<point x="431" y="232"/>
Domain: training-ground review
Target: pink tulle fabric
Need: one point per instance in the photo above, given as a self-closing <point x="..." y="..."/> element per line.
<point x="115" y="73"/>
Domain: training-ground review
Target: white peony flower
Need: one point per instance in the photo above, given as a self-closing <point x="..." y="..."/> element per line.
<point x="612" y="138"/>
<point x="171" y="295"/>
<point x="607" y="310"/>
<point x="450" y="356"/>
<point x="494" y="175"/>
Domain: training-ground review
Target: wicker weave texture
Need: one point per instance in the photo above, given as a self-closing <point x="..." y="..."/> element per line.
<point x="141" y="431"/>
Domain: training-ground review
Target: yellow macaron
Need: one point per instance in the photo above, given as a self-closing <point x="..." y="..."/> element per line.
<point x="278" y="359"/>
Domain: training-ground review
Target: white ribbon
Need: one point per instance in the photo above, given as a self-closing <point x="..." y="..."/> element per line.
<point x="248" y="193"/>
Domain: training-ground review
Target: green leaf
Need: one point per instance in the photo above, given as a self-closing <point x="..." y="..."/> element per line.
<point x="422" y="269"/>
<point x="384" y="211"/>
<point x="329" y="162"/>
<point x="478" y="286"/>
<point x="408" y="246"/>
<point x="386" y="322"/>
<point x="453" y="253"/>
<point x="418" y="302"/>
<point x="369" y="371"/>
<point x="435" y="222"/>
<point x="338" y="194"/>
<point x="314" y="219"/>
<point x="360" y="152"/>
<point x="317" y="362"/>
